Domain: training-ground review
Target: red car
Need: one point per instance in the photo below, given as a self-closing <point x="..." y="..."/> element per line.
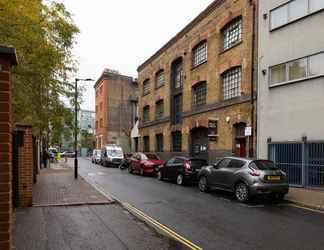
<point x="144" y="163"/>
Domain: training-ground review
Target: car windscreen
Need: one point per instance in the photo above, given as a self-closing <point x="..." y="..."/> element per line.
<point x="198" y="163"/>
<point x="150" y="157"/>
<point x="115" y="152"/>
<point x="263" y="165"/>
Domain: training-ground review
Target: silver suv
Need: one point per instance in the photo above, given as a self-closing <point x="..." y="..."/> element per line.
<point x="246" y="178"/>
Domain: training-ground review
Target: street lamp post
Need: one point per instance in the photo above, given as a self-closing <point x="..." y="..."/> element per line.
<point x="76" y="124"/>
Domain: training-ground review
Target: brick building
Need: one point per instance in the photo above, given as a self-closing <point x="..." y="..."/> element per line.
<point x="7" y="59"/>
<point x="196" y="92"/>
<point x="116" y="100"/>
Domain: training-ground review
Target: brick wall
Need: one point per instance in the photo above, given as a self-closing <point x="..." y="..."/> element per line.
<point x="7" y="58"/>
<point x="25" y="166"/>
<point x="208" y="26"/>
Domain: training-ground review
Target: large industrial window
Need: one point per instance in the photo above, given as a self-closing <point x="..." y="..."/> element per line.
<point x="159" y="143"/>
<point x="232" y="83"/>
<point x="176" y="108"/>
<point x="146" y="114"/>
<point x="159" y="79"/>
<point x="232" y="33"/>
<point x="146" y="87"/>
<point x="303" y="68"/>
<point x="199" y="54"/>
<point x="159" y="109"/>
<point x="199" y="94"/>
<point x="293" y="10"/>
<point x="146" y="144"/>
<point x="176" y="141"/>
<point x="177" y="74"/>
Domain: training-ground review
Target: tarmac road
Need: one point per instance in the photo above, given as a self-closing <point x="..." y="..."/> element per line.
<point x="214" y="220"/>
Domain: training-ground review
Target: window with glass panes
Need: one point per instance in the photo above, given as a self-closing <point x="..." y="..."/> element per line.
<point x="232" y="33"/>
<point x="146" y="144"/>
<point x="146" y="113"/>
<point x="176" y="109"/>
<point x="159" y="109"/>
<point x="146" y="87"/>
<point x="199" y="94"/>
<point x="293" y="10"/>
<point x="159" y="143"/>
<point x="176" y="141"/>
<point x="232" y="83"/>
<point x="199" y="54"/>
<point x="306" y="67"/>
<point x="178" y="76"/>
<point x="159" y="79"/>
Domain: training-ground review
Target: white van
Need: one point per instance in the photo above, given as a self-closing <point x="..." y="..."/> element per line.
<point x="111" y="155"/>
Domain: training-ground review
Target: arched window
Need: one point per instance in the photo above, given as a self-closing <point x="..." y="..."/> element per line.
<point x="232" y="83"/>
<point x="146" y="113"/>
<point x="232" y="33"/>
<point x="199" y="92"/>
<point x="199" y="54"/>
<point x="146" y="87"/>
<point x="159" y="79"/>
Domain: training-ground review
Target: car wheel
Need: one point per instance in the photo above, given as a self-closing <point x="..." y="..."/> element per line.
<point x="180" y="180"/>
<point x="242" y="192"/>
<point x="202" y="184"/>
<point x="141" y="172"/>
<point x="160" y="176"/>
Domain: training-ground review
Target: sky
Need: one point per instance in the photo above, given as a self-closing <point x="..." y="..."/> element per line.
<point x="122" y="34"/>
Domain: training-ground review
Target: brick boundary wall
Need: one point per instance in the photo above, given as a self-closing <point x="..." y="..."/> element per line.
<point x="25" y="166"/>
<point x="7" y="59"/>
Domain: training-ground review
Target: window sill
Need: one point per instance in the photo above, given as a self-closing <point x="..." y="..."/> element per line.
<point x="197" y="66"/>
<point x="233" y="46"/>
<point x="146" y="94"/>
<point x="295" y="81"/>
<point x="158" y="87"/>
<point x="294" y="21"/>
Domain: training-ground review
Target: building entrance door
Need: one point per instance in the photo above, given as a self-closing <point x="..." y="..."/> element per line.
<point x="199" y="143"/>
<point x="240" y="140"/>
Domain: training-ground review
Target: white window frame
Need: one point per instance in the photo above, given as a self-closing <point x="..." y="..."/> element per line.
<point x="289" y="20"/>
<point x="308" y="70"/>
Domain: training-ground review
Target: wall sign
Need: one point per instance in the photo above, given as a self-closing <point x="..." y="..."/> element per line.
<point x="248" y="131"/>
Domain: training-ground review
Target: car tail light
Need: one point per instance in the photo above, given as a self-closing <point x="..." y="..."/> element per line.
<point x="186" y="165"/>
<point x="255" y="172"/>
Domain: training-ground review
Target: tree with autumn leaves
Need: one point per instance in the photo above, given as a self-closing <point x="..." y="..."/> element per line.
<point x="43" y="34"/>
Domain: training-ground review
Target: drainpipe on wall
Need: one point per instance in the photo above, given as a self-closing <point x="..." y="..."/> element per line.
<point x="253" y="123"/>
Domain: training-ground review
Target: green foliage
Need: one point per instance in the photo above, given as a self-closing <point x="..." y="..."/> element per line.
<point x="43" y="36"/>
<point x="87" y="140"/>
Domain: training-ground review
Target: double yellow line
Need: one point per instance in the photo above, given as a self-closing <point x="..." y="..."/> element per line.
<point x="161" y="227"/>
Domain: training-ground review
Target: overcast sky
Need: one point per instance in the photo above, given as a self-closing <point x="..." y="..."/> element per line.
<point x="122" y="34"/>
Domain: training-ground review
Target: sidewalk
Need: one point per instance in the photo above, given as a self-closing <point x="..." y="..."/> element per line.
<point x="71" y="214"/>
<point x="311" y="198"/>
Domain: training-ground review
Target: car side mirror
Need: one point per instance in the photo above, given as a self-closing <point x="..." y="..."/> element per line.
<point x="215" y="165"/>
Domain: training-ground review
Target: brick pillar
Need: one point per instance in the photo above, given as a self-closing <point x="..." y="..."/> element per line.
<point x="25" y="166"/>
<point x="7" y="59"/>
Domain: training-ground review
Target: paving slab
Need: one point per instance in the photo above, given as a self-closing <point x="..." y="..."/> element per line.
<point x="312" y="198"/>
<point x="84" y="227"/>
<point x="56" y="186"/>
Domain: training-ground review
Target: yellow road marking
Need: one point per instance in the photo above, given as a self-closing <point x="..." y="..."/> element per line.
<point x="162" y="227"/>
<point x="306" y="208"/>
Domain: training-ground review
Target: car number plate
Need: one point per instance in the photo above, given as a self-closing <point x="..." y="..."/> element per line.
<point x="273" y="178"/>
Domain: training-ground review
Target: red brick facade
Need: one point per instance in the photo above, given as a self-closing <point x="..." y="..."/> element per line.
<point x="7" y="58"/>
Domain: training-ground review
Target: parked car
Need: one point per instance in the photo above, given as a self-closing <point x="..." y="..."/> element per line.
<point x="68" y="154"/>
<point x="246" y="178"/>
<point x="181" y="169"/>
<point x="126" y="162"/>
<point x="144" y="163"/>
<point x="96" y="156"/>
<point x="111" y="155"/>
